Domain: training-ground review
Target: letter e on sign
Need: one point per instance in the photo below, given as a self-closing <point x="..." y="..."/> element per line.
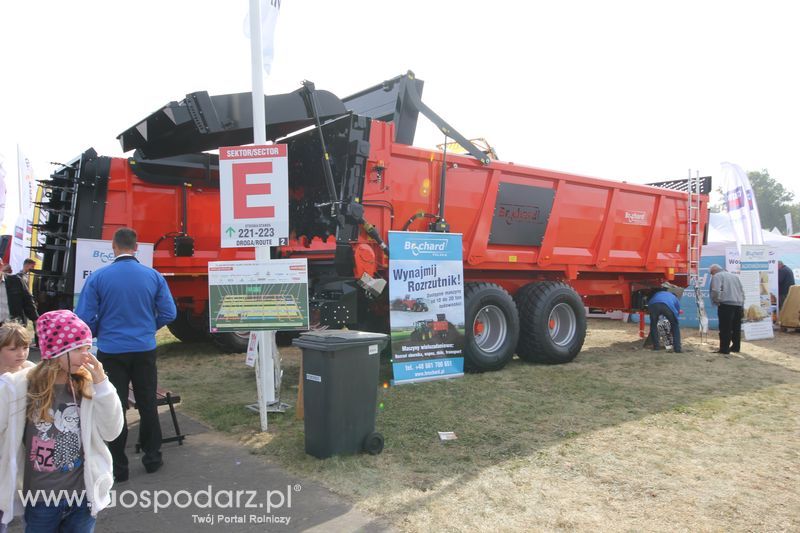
<point x="253" y="195"/>
<point x="251" y="190"/>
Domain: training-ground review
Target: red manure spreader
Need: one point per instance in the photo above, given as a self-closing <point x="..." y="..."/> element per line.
<point x="538" y="245"/>
<point x="407" y="304"/>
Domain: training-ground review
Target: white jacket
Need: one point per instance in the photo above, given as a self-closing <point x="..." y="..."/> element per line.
<point x="101" y="421"/>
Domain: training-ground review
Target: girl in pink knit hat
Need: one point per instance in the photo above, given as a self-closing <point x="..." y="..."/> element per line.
<point x="70" y="410"/>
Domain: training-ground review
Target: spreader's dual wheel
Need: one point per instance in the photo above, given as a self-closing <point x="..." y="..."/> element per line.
<point x="553" y="322"/>
<point x="492" y="327"/>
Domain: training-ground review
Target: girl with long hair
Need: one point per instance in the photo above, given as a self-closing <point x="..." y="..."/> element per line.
<point x="54" y="421"/>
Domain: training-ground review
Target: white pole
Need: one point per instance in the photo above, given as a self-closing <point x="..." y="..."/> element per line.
<point x="259" y="116"/>
<point x="265" y="373"/>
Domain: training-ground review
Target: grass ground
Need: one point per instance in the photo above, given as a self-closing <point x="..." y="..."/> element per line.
<point x="622" y="438"/>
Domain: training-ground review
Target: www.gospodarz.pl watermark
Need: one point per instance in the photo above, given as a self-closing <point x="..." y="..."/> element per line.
<point x="254" y="506"/>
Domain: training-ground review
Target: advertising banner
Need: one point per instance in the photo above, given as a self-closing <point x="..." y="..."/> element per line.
<point x="93" y="254"/>
<point x="21" y="241"/>
<point x="754" y="273"/>
<point x="254" y="195"/>
<point x="251" y="295"/>
<point x="426" y="300"/>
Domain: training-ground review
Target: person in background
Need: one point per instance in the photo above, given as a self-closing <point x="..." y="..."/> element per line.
<point x="54" y="419"/>
<point x="665" y="303"/>
<point x="16" y="302"/>
<point x="27" y="265"/>
<point x="14" y="345"/>
<point x="125" y="303"/>
<point x="15" y="342"/>
<point x="785" y="280"/>
<point x="727" y="294"/>
<point x="24" y="274"/>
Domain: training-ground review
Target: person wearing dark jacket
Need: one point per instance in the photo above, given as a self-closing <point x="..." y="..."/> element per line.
<point x="18" y="304"/>
<point x="665" y="303"/>
<point x="124" y="304"/>
<point x="785" y="280"/>
<point x="27" y="265"/>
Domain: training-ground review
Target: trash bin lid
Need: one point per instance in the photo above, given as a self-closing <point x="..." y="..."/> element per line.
<point x="336" y="339"/>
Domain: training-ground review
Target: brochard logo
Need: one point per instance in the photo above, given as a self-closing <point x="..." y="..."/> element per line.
<point x="419" y="247"/>
<point x="755" y="254"/>
<point x="518" y="213"/>
<point x="105" y="257"/>
<point x="635" y="217"/>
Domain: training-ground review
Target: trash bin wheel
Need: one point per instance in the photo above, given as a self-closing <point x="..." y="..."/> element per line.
<point x="373" y="443"/>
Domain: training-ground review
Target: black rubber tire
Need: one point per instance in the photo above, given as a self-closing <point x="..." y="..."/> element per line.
<point x="476" y="297"/>
<point x="373" y="443"/>
<point x="231" y="342"/>
<point x="535" y="302"/>
<point x="187" y="331"/>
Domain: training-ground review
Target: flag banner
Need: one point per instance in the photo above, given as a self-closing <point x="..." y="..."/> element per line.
<point x="19" y="248"/>
<point x="22" y="209"/>
<point x="2" y="192"/>
<point x="740" y="203"/>
<point x="26" y="184"/>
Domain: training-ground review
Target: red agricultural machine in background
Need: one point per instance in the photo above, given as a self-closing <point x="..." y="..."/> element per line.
<point x="538" y="245"/>
<point x="416" y="305"/>
<point x="425" y="330"/>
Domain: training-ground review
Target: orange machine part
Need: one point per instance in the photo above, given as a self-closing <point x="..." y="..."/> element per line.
<point x="365" y="260"/>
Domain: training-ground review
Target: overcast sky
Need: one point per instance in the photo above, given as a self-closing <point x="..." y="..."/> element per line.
<point x="637" y="91"/>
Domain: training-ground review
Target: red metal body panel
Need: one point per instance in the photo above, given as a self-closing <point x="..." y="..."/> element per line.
<point x="602" y="236"/>
<point x="154" y="211"/>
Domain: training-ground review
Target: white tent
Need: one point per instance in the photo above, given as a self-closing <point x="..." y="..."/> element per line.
<point x="721" y="236"/>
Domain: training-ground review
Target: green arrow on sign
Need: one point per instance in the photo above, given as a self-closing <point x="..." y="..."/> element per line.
<point x="230" y="231"/>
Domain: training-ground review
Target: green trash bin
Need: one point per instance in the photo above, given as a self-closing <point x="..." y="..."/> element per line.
<point x="340" y="388"/>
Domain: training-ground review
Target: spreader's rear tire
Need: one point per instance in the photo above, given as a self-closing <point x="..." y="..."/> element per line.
<point x="232" y="342"/>
<point x="186" y="330"/>
<point x="491" y="327"/>
<point x="553" y="322"/>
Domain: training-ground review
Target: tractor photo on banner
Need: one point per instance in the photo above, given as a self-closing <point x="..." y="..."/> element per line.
<point x="426" y="301"/>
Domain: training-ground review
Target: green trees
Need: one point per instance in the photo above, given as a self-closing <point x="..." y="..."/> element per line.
<point x="774" y="200"/>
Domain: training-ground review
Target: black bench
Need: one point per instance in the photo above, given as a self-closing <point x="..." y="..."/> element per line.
<point x="163" y="397"/>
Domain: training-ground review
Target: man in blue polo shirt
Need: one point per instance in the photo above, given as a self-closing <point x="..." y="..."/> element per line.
<point x="665" y="303"/>
<point x="124" y="304"/>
